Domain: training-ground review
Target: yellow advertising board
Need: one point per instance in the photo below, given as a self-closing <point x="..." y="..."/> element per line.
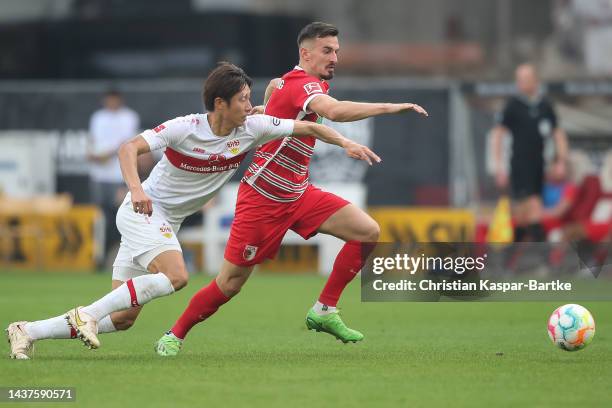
<point x="293" y="259"/>
<point x="63" y="241"/>
<point x="424" y="224"/>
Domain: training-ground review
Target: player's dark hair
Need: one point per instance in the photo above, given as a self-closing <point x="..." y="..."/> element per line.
<point x="224" y="82"/>
<point x="316" y="29"/>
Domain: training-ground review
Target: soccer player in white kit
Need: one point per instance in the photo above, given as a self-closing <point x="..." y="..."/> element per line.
<point x="202" y="153"/>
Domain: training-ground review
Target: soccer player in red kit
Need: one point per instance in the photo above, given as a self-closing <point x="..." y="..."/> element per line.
<point x="275" y="195"/>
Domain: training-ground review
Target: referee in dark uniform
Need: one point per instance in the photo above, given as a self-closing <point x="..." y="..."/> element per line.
<point x="530" y="119"/>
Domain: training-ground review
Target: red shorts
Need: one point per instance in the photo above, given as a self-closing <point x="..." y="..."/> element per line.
<point x="260" y="223"/>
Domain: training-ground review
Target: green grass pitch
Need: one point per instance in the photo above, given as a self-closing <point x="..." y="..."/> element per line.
<point x="257" y="352"/>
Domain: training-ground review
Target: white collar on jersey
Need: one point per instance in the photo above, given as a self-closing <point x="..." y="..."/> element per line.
<point x="302" y="69"/>
<point x="209" y="128"/>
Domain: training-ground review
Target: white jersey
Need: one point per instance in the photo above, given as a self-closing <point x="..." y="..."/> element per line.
<point x="197" y="163"/>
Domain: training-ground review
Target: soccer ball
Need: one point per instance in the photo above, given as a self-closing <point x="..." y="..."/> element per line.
<point x="571" y="327"/>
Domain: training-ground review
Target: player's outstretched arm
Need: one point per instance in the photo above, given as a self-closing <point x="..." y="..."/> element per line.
<point x="347" y="111"/>
<point x="329" y="135"/>
<point x="128" y="159"/>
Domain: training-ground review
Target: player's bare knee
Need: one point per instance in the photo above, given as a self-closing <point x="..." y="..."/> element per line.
<point x="231" y="287"/>
<point x="177" y="273"/>
<point x="230" y="291"/>
<point x="179" y="278"/>
<point x="373" y="232"/>
<point x="232" y="284"/>
<point x="173" y="267"/>
<point x="369" y="232"/>
<point x="124" y="323"/>
<point x="125" y="319"/>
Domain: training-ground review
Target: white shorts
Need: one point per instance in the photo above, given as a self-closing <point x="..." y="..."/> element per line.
<point x="142" y="239"/>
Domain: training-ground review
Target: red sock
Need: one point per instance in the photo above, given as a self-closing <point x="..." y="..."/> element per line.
<point x="201" y="306"/>
<point x="349" y="262"/>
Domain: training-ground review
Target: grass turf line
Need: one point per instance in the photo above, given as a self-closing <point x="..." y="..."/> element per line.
<point x="257" y="352"/>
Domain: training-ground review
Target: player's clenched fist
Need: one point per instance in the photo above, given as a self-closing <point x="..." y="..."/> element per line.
<point x="357" y="151"/>
<point x="141" y="203"/>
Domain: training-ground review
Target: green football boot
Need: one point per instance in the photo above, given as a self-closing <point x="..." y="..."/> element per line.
<point x="332" y="323"/>
<point x="168" y="345"/>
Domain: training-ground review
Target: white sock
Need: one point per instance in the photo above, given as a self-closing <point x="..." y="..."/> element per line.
<point x="53" y="328"/>
<point x="135" y="292"/>
<point x="106" y="325"/>
<point x="57" y="328"/>
<point x="322" y="309"/>
<point x="169" y="333"/>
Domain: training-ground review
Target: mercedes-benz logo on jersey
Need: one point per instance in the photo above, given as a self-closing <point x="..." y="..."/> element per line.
<point x="275" y="121"/>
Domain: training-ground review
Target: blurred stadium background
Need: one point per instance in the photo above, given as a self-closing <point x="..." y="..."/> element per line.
<point x="455" y="58"/>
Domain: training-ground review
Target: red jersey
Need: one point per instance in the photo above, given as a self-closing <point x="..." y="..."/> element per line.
<point x="279" y="170"/>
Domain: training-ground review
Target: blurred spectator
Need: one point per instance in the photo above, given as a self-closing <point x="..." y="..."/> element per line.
<point x="589" y="217"/>
<point x="583" y="33"/>
<point x="560" y="189"/>
<point x="597" y="22"/>
<point x="559" y="192"/>
<point x="567" y="31"/>
<point x="606" y="172"/>
<point x="530" y="119"/>
<point x="109" y="128"/>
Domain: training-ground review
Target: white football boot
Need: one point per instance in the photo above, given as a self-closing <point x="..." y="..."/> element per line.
<point x="22" y="345"/>
<point x="86" y="327"/>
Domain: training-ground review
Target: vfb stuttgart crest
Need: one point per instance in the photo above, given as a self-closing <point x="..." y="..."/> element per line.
<point x="166" y="230"/>
<point x="249" y="252"/>
<point x="233" y="146"/>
